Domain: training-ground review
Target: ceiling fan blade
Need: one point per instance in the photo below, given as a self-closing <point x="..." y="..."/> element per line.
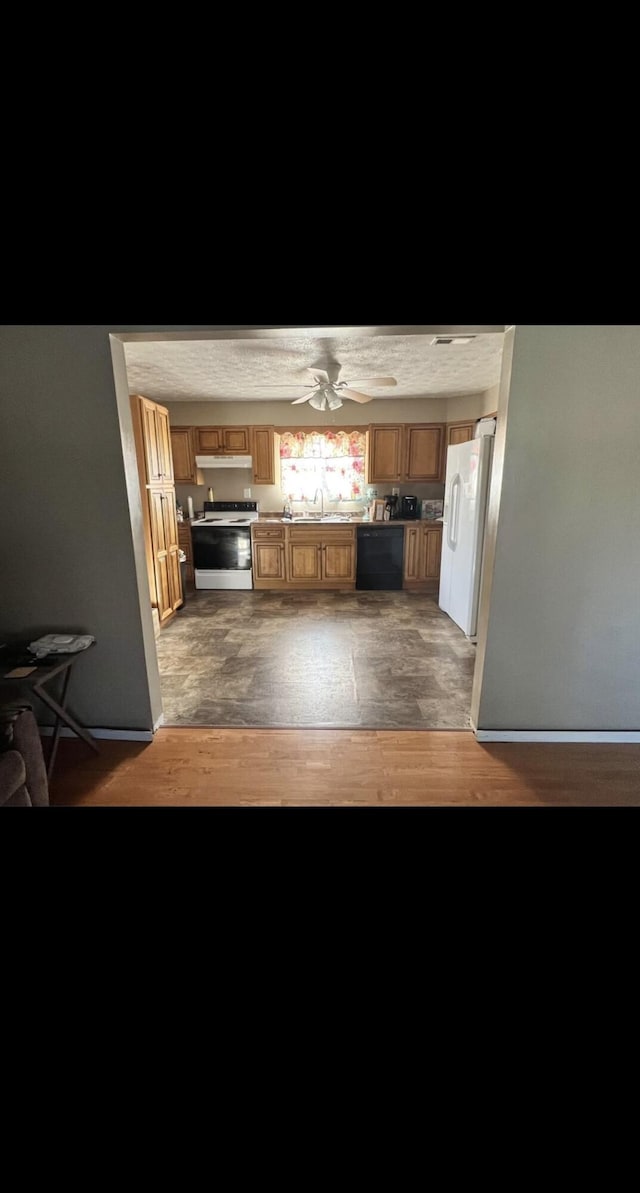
<point x="355" y="396"/>
<point x="297" y="401"/>
<point x="374" y="381"/>
<point x="320" y="375"/>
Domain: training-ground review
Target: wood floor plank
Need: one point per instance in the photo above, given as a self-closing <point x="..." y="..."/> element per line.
<point x="255" y="767"/>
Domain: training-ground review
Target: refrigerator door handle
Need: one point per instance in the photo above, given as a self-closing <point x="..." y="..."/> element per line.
<point x="454" y="516"/>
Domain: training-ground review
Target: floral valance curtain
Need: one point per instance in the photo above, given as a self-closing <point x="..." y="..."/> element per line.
<point x="331" y="460"/>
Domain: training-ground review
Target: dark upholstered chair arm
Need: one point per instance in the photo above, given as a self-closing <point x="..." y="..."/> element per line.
<point x="13" y="792"/>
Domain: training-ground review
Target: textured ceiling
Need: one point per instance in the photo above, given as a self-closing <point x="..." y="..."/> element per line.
<point x="254" y="370"/>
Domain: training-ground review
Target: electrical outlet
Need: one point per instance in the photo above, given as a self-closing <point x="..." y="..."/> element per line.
<point x="247" y="494"/>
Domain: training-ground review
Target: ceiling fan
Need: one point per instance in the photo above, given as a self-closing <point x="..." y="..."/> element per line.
<point x="327" y="392"/>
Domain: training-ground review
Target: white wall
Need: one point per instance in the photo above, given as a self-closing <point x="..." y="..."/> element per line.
<point x="563" y="642"/>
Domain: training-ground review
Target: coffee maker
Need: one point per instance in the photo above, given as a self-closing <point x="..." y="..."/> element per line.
<point x="391" y="511"/>
<point x="409" y="507"/>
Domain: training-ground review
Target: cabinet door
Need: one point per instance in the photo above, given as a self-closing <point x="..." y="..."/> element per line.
<point x="462" y="433"/>
<point x="165" y="463"/>
<point x="160" y="553"/>
<point x="150" y="440"/>
<point x="424" y="455"/>
<point x="263" y="454"/>
<point x="268" y="561"/>
<point x="412" y="546"/>
<point x="338" y="561"/>
<point x="172" y="546"/>
<point x="431" y="552"/>
<point x="235" y="440"/>
<point x="305" y="561"/>
<point x="182" y="454"/>
<point x="208" y="441"/>
<point x="385" y="454"/>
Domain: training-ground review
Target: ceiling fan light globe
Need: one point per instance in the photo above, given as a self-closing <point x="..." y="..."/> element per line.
<point x="318" y="403"/>
<point x="334" y="403"/>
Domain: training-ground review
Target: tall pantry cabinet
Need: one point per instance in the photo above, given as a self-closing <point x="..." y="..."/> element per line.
<point x="155" y="468"/>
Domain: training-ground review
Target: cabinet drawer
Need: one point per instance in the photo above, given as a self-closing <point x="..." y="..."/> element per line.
<point x="322" y="534"/>
<point x="260" y="533"/>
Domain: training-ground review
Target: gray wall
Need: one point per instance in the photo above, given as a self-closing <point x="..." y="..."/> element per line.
<point x="67" y="550"/>
<point x="563" y="643"/>
<point x="563" y="648"/>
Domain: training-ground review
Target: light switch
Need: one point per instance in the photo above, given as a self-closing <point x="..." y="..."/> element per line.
<point x="247" y="494"/>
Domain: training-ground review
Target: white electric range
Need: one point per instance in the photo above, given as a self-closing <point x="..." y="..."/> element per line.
<point x="222" y="544"/>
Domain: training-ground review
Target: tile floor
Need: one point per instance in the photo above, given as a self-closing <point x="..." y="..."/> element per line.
<point x="369" y="660"/>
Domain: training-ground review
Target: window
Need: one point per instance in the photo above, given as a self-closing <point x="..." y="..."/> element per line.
<point x="332" y="461"/>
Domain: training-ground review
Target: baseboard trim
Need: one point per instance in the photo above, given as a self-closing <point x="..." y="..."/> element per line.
<point x="109" y="734"/>
<point x="614" y="737"/>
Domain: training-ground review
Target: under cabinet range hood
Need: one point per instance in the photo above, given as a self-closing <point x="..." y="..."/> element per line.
<point x="224" y="462"/>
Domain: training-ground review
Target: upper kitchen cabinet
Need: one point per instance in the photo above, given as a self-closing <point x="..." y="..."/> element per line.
<point x="223" y="441"/>
<point x="406" y="452"/>
<point x="157" y="441"/>
<point x="263" y="453"/>
<point x="184" y="461"/>
<point x="385" y="454"/>
<point x="424" y="453"/>
<point x="460" y="432"/>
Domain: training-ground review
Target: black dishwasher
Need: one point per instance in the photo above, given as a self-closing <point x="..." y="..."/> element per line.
<point x="380" y="550"/>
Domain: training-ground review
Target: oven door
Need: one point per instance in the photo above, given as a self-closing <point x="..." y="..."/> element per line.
<point x="221" y="548"/>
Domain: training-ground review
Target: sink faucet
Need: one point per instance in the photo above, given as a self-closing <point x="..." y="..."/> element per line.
<point x="315" y="498"/>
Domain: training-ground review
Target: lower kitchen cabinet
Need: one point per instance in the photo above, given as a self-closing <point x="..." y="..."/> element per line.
<point x="268" y="556"/>
<point x="322" y="558"/>
<point x="305" y="561"/>
<point x="185" y="542"/>
<point x="303" y="557"/>
<point x="422" y="552"/>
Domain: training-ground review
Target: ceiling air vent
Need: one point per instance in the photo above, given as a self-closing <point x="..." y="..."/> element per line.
<point x="452" y="340"/>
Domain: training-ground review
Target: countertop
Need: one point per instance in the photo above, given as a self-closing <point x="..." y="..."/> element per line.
<point x="267" y="519"/>
<point x="350" y="522"/>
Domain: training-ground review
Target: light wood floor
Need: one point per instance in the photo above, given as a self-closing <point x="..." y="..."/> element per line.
<point x="213" y="767"/>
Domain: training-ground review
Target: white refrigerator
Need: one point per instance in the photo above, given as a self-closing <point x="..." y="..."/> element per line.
<point x="465" y="506"/>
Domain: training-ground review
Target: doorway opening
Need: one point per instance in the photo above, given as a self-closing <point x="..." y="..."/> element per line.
<point x="294" y="650"/>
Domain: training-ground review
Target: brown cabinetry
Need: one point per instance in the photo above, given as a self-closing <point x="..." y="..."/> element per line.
<point x="184" y="457"/>
<point x="155" y="469"/>
<point x="460" y="432"/>
<point x="222" y="441"/>
<point x="323" y="557"/>
<point x="424" y="451"/>
<point x="157" y="444"/>
<point x="412" y="543"/>
<point x="268" y="556"/>
<point x="303" y="556"/>
<point x="186" y="544"/>
<point x="263" y="453"/>
<point x="258" y="442"/>
<point x="305" y="561"/>
<point x="405" y="452"/>
<point x="385" y="454"/>
<point x="422" y="551"/>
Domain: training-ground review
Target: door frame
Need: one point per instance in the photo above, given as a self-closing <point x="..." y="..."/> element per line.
<point x="117" y="341"/>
